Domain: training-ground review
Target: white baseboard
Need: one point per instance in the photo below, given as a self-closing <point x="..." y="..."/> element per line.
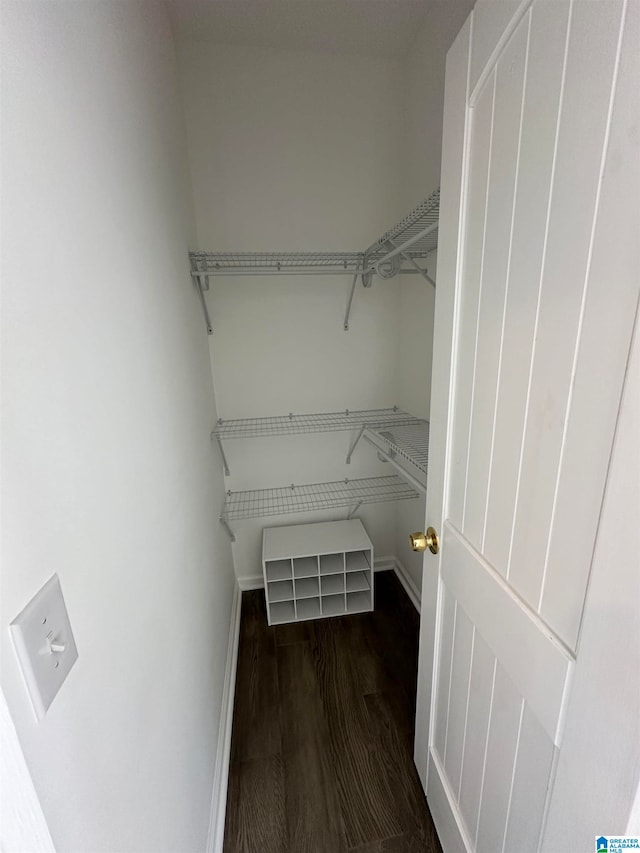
<point x="408" y="583"/>
<point x="252" y="582"/>
<point x="381" y="564"/>
<point x="223" y="754"/>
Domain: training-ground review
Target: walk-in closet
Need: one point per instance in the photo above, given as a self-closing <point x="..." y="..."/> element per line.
<point x="315" y="261"/>
<point x="319" y="379"/>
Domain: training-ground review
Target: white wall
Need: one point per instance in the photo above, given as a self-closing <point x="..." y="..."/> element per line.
<point x="423" y="97"/>
<point x="295" y="151"/>
<point x="311" y="151"/>
<point x="109" y="478"/>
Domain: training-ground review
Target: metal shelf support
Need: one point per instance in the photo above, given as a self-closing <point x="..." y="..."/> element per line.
<point x="391" y="458"/>
<point x="355" y="444"/>
<point x="413" y="263"/>
<point x="353" y="511"/>
<point x="410" y="442"/>
<point x="202" y="283"/>
<point x="353" y="288"/>
<point x="222" y="453"/>
<point x="228" y="530"/>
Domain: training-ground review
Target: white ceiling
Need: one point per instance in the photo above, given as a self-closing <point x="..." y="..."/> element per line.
<point x="364" y="27"/>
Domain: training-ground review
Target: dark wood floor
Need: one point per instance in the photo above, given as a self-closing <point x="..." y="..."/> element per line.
<point x="321" y="751"/>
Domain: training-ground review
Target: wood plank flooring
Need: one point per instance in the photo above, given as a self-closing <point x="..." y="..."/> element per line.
<point x="321" y="750"/>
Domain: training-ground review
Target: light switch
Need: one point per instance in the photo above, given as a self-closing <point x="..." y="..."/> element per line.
<point x="44" y="644"/>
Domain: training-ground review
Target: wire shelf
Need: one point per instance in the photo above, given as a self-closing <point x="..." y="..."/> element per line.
<point x="315" y="496"/>
<point x="410" y="442"/>
<point x="318" y="422"/>
<point x="246" y="263"/>
<point x="424" y="217"/>
<point x="397" y="251"/>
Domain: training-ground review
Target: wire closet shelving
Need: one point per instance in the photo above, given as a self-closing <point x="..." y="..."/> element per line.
<point x="405" y="446"/>
<point x="296" y="424"/>
<point x="402" y="249"/>
<point x="311" y="497"/>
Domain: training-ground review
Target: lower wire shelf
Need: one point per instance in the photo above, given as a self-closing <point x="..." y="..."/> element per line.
<point x="310" y="497"/>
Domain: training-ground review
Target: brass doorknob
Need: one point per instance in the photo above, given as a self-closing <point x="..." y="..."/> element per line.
<point x="422" y="541"/>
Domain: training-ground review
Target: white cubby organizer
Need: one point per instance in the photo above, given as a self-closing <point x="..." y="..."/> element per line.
<point x="317" y="570"/>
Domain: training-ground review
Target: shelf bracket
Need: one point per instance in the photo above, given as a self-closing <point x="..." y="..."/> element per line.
<point x="353" y="288"/>
<point x="413" y="481"/>
<point x="205" y="311"/>
<point x="354" y="445"/>
<point x="353" y="511"/>
<point x="229" y="531"/>
<point x="222" y="453"/>
<point x="402" y="248"/>
<point x="202" y="284"/>
<point x="413" y="263"/>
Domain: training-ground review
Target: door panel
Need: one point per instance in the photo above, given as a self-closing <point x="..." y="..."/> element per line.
<point x="483" y="671"/>
<point x="531" y="773"/>
<point x="590" y="64"/>
<point x="532" y="655"/>
<point x="480" y="152"/>
<point x="508" y="79"/>
<point x="547" y="40"/>
<point x="506" y="754"/>
<point x="502" y="742"/>
<point x="446" y="655"/>
<point x="458" y="695"/>
<point x="525" y="188"/>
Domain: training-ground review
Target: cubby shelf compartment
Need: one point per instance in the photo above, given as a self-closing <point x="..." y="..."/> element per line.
<point x="283" y="611"/>
<point x="314" y="422"/>
<point x="330" y="570"/>
<point x="398" y="250"/>
<point x="312" y="497"/>
<point x="281" y="591"/>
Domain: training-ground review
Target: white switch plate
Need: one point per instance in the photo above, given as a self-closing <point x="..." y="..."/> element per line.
<point x="44" y="644"/>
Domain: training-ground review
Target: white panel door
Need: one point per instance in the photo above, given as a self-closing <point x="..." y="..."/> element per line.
<point x="521" y="434"/>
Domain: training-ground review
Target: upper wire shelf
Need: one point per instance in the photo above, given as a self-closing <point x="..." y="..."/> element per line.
<point x="317" y="422"/>
<point x="276" y="263"/>
<point x="416" y="235"/>
<point x="401" y="249"/>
